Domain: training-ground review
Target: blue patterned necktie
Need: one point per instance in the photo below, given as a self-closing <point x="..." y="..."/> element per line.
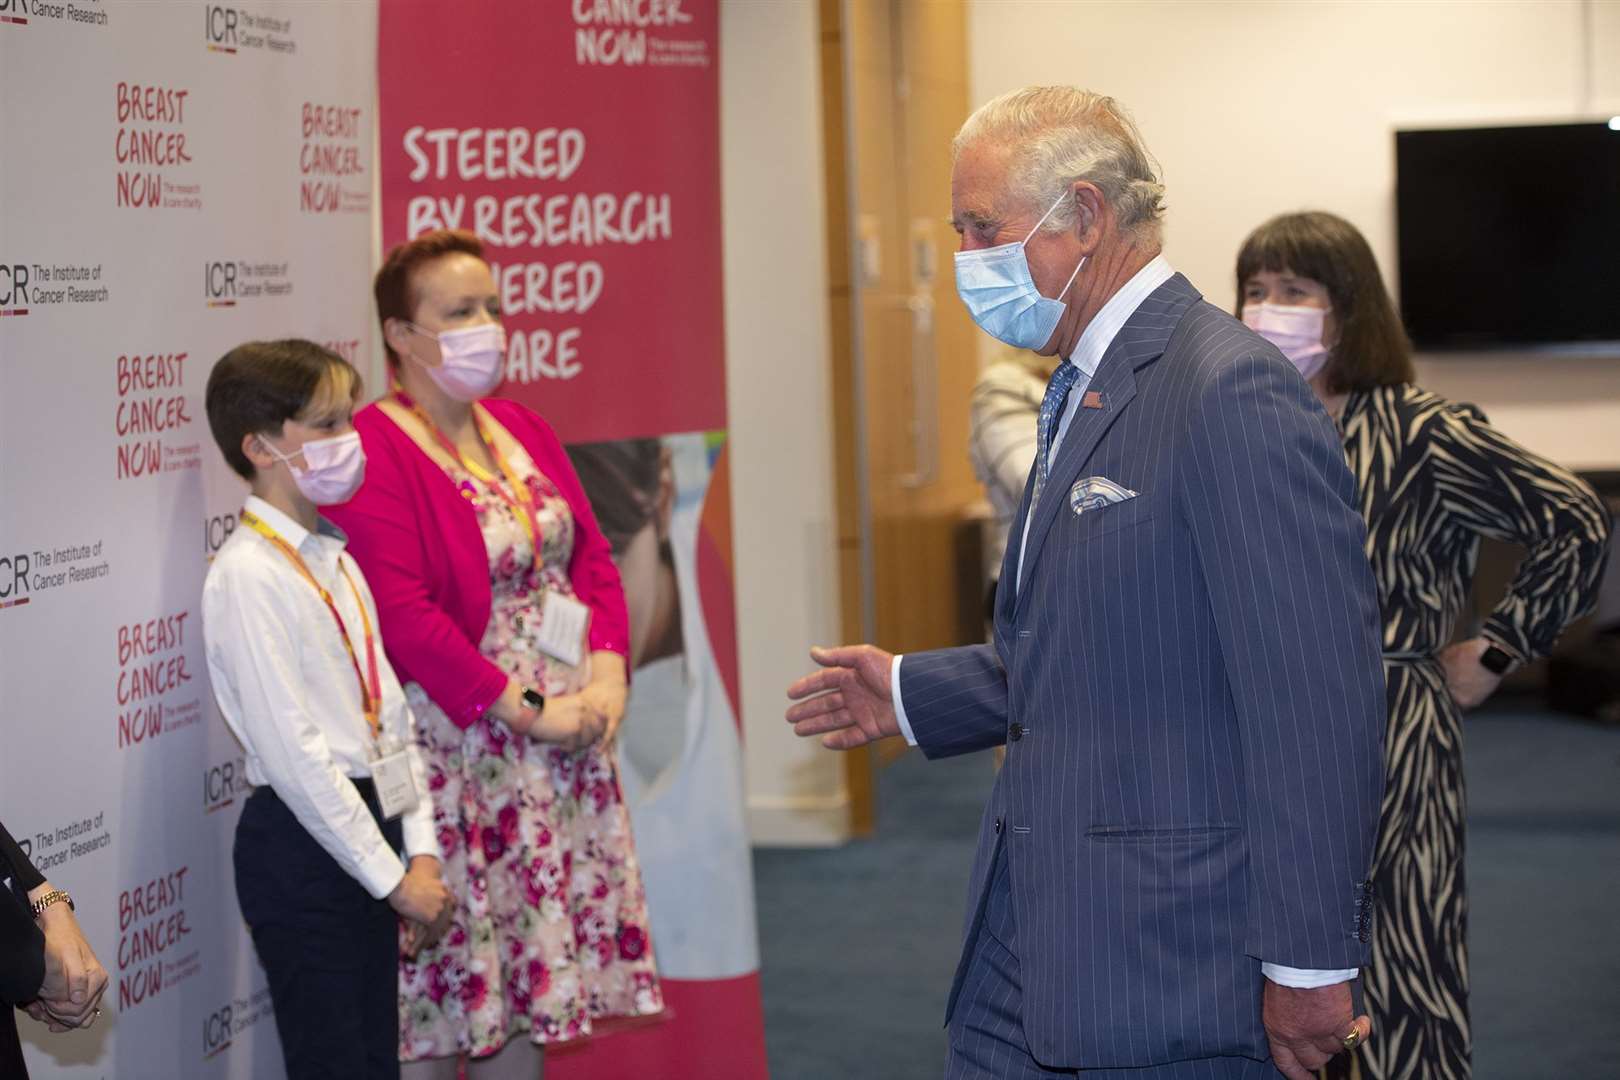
<point x="1057" y="392"/>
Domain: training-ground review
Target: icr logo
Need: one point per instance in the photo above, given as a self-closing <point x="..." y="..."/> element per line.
<point x="217" y="1032"/>
<point x="13" y="281"/>
<point x="219" y="28"/>
<point x="217" y="530"/>
<point x="219" y="284"/>
<point x="14" y="11"/>
<point x="222" y="783"/>
<point x="13" y="580"/>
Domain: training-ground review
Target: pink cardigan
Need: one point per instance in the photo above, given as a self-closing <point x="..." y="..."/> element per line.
<point x="417" y="539"/>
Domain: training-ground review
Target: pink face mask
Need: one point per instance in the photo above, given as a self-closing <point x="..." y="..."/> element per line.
<point x="1296" y="331"/>
<point x="333" y="468"/>
<point x="472" y="360"/>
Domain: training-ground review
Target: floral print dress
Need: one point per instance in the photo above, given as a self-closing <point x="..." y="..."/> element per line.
<point x="550" y="932"/>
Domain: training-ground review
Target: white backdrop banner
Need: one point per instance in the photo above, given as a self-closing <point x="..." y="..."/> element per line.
<point x="175" y="178"/>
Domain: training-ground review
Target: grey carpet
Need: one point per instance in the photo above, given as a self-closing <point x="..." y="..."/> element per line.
<point x="859" y="943"/>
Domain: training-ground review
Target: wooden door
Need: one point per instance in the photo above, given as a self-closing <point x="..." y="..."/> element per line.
<point x="895" y="84"/>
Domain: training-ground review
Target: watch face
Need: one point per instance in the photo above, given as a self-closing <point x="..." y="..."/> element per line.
<point x="1495" y="660"/>
<point x="532" y="698"/>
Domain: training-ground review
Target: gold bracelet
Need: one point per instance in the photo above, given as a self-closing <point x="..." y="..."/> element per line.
<point x="50" y="898"/>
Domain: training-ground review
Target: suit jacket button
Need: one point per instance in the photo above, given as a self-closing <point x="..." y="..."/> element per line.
<point x="998" y="826"/>
<point x="1015" y="732"/>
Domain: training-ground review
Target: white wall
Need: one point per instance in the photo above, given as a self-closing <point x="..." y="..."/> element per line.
<point x="778" y="379"/>
<point x="1255" y="108"/>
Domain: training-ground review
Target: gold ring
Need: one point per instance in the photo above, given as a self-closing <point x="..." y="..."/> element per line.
<point x="1352" y="1040"/>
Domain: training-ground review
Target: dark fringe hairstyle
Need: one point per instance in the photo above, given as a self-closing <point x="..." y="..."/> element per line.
<point x="260" y="385"/>
<point x="1372" y="349"/>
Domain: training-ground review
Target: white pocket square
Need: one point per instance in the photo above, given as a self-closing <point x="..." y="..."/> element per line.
<point x="1096" y="492"/>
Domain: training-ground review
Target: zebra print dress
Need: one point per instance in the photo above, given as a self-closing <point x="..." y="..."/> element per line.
<point x="1433" y="477"/>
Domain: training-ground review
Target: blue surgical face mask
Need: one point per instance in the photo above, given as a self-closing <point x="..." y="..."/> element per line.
<point x="1000" y="294"/>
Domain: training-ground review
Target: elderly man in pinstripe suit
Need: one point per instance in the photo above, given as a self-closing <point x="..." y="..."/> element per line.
<point x="1171" y="879"/>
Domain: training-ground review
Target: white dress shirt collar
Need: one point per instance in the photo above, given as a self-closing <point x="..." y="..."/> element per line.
<point x="330" y="539"/>
<point x="1107" y="324"/>
<point x="1087" y="355"/>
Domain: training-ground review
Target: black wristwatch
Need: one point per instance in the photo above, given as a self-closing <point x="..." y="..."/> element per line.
<point x="1495" y="660"/>
<point x="534" y="699"/>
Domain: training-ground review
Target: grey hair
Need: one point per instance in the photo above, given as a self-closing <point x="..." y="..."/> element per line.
<point x="1061" y="134"/>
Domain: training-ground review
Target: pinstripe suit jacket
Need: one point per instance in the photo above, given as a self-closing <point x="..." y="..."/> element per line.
<point x="1190" y="689"/>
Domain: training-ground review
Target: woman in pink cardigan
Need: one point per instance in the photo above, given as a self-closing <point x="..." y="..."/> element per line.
<point x="503" y="613"/>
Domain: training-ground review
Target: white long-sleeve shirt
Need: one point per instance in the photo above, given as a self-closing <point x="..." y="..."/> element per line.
<point x="288" y="691"/>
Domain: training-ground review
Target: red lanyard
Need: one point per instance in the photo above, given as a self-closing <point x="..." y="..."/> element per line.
<point x="370" y="690"/>
<point x="519" y="502"/>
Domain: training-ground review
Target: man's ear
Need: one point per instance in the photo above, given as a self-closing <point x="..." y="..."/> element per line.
<point x="1088" y="219"/>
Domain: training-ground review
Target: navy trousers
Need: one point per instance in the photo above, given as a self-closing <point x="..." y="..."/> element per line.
<point x="331" y="952"/>
<point x="987" y="1029"/>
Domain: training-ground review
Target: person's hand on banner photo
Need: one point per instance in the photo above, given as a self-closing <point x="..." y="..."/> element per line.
<point x="849" y="702"/>
<point x="70" y="996"/>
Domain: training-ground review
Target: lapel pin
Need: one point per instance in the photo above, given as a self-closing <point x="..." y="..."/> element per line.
<point x="1092" y="400"/>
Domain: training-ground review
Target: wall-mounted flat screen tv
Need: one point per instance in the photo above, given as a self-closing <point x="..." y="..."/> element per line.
<point x="1509" y="237"/>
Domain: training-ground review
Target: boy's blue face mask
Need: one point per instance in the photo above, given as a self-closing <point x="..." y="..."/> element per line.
<point x="1000" y="294"/>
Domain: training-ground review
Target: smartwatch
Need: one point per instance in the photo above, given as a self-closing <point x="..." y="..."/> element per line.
<point x="1495" y="660"/>
<point x="534" y="699"/>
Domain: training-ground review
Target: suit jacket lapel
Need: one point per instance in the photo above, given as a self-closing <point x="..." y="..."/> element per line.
<point x="1115" y="382"/>
<point x="1006" y="590"/>
<point x="1139" y="342"/>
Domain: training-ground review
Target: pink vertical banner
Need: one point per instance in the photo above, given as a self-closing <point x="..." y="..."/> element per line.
<point x="579" y="139"/>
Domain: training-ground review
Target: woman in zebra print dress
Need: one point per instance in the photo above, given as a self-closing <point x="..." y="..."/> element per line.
<point x="1432" y="477"/>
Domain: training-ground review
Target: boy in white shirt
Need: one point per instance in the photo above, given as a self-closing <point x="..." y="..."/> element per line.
<point x="302" y="681"/>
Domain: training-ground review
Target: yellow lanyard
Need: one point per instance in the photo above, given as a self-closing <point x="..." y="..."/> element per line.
<point x="519" y="501"/>
<point x="370" y="691"/>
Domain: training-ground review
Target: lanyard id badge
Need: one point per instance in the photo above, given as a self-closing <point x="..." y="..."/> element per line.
<point x="518" y="500"/>
<point x="396" y="784"/>
<point x="562" y="628"/>
<point x="390" y="767"/>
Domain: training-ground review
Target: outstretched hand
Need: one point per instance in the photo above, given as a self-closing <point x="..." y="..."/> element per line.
<point x="1307" y="1027"/>
<point x="848" y="703"/>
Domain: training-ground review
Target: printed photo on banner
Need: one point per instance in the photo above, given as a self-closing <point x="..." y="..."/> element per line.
<point x="680" y="755"/>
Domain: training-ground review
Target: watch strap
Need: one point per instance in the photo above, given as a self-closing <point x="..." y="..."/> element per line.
<point x="1496" y="660"/>
<point x="55" y="896"/>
